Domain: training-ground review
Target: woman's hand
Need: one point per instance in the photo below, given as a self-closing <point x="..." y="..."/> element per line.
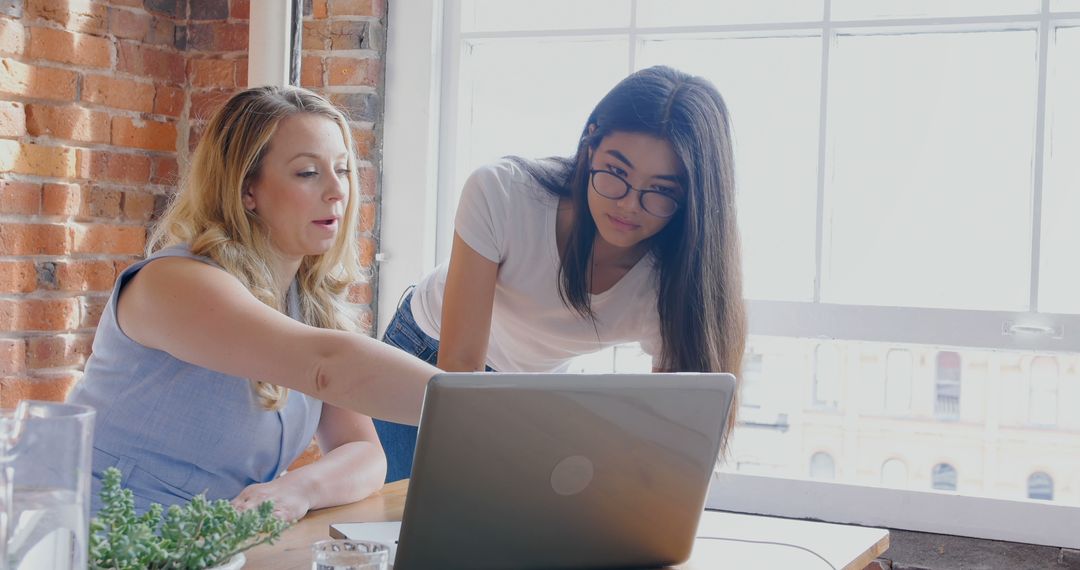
<point x="290" y="503"/>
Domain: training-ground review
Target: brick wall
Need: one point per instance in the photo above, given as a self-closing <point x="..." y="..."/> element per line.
<point x="100" y="104"/>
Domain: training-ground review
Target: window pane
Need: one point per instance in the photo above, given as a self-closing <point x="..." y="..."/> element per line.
<point x="508" y="106"/>
<point x="772" y="90"/>
<point x="822" y="467"/>
<point x="506" y="15"/>
<point x="947" y="385"/>
<point x="652" y="13"/>
<point x="1040" y="486"/>
<point x="994" y="442"/>
<point x="929" y="170"/>
<point x="1065" y="5"/>
<point x="943" y="477"/>
<point x="871" y="9"/>
<point x="1059" y="276"/>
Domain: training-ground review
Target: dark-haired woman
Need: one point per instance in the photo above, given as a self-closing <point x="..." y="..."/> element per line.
<point x="633" y="239"/>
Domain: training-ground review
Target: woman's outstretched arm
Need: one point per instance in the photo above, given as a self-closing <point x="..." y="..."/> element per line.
<point x="202" y="315"/>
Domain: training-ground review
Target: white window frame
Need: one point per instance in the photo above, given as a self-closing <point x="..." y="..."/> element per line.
<point x="423" y="48"/>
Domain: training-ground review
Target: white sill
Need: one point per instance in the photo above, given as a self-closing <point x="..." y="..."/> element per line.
<point x="1029" y="522"/>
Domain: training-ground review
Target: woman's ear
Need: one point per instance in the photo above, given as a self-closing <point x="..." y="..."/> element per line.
<point x="247" y="197"/>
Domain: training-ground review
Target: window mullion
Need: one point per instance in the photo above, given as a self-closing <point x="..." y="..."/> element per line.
<point x="826" y="43"/>
<point x="1045" y="30"/>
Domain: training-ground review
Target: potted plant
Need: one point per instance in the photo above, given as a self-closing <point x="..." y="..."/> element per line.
<point x="202" y="534"/>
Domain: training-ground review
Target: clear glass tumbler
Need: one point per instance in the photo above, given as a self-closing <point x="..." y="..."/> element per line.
<point x="343" y="554"/>
<point x="45" y="485"/>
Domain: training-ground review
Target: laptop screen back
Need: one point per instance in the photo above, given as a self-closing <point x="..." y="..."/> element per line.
<point x="562" y="470"/>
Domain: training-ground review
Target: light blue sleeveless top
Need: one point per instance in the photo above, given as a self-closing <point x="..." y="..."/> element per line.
<point x="175" y="429"/>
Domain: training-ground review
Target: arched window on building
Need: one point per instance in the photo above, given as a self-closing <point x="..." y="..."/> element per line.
<point x="1043" y="391"/>
<point x="1040" y="486"/>
<point x="822" y="467"/>
<point x="894" y="474"/>
<point x="826" y="375"/>
<point x="899" y="367"/>
<point x="947" y="385"/>
<point x="943" y="477"/>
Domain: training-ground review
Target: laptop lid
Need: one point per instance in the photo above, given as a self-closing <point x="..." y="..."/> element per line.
<point x="561" y="470"/>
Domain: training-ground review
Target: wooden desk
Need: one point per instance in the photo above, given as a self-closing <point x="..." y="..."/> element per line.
<point x="847" y="547"/>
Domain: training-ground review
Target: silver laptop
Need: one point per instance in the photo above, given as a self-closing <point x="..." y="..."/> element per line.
<point x="559" y="470"/>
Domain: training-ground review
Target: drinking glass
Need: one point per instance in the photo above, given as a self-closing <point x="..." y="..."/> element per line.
<point x="343" y="554"/>
<point x="45" y="485"/>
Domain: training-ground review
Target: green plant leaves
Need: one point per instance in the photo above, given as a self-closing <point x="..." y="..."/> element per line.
<point x="198" y="535"/>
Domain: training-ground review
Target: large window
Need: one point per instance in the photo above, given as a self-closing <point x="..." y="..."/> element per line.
<point x="908" y="199"/>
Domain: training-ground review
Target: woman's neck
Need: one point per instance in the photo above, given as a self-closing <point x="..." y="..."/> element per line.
<point x="284" y="269"/>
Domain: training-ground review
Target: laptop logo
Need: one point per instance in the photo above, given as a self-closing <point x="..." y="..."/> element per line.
<point x="571" y="475"/>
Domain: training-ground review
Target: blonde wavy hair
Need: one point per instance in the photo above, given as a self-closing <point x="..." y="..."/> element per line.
<point x="208" y="215"/>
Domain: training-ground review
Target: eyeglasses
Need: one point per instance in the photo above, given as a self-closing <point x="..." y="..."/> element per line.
<point x="614" y="187"/>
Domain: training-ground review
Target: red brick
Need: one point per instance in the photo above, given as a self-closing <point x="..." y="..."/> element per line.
<point x="47" y="387"/>
<point x="360" y="293"/>
<point x="319" y="9"/>
<point x="24" y="80"/>
<point x="166" y="171"/>
<point x="363" y="141"/>
<point x="367" y="217"/>
<point x="218" y="36"/>
<point x="58" y="351"/>
<point x="352" y="71"/>
<point x="61" y="199"/>
<point x="241" y="72"/>
<point x="204" y="103"/>
<point x="108" y="238"/>
<point x="138" y="206"/>
<point x="100" y="165"/>
<point x="12" y="37"/>
<point x="12" y="356"/>
<point x="129" y="24"/>
<point x="39" y="314"/>
<point x="39" y="160"/>
<point x="240" y="9"/>
<point x="315" y="35"/>
<point x="163" y="32"/>
<point x="118" y="93"/>
<point x="146" y="61"/>
<point x="169" y="101"/>
<point x="17" y="277"/>
<point x="74" y="16"/>
<point x="351" y="8"/>
<point x="311" y="71"/>
<point x="85" y="275"/>
<point x="129" y="3"/>
<point x="195" y="135"/>
<point x="92" y="308"/>
<point x="67" y="47"/>
<point x="34" y="239"/>
<point x="12" y="119"/>
<point x="149" y="135"/>
<point x="69" y="122"/>
<point x="23" y="198"/>
<point x="368" y="181"/>
<point x="212" y="72"/>
<point x="367" y="252"/>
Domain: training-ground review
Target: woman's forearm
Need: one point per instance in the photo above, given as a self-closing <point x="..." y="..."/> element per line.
<point x="343" y="475"/>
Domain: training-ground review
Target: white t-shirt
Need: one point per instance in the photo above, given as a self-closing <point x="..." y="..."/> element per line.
<point x="507" y="217"/>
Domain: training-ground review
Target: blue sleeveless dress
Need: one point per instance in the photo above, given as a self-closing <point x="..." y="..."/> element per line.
<point x="175" y="429"/>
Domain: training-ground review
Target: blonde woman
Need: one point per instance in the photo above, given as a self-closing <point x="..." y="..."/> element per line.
<point x="222" y="354"/>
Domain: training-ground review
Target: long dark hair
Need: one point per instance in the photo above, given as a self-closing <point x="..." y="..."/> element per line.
<point x="702" y="316"/>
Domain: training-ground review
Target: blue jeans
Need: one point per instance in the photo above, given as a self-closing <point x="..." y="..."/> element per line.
<point x="399" y="440"/>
